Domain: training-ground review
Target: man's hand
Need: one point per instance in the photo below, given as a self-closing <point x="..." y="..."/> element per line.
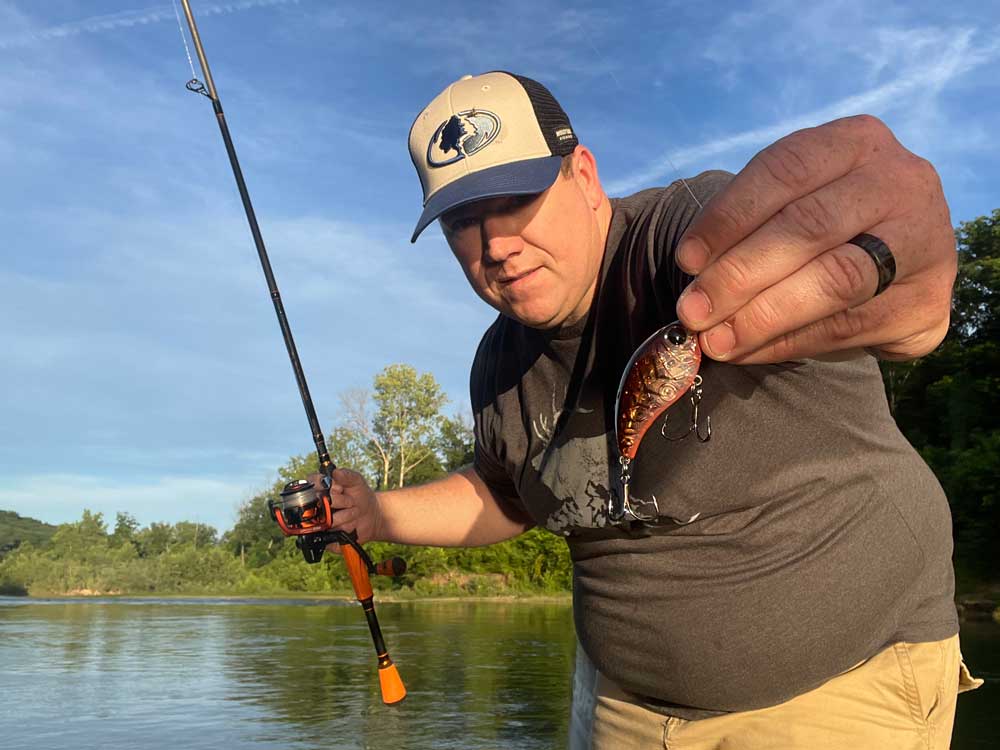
<point x="355" y="505"/>
<point x="777" y="279"/>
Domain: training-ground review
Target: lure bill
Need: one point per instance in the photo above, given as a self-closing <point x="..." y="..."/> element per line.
<point x="660" y="372"/>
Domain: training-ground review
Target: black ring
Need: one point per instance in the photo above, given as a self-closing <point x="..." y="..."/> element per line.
<point x="880" y="253"/>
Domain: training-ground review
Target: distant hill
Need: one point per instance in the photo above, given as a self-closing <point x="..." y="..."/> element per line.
<point x="15" y="529"/>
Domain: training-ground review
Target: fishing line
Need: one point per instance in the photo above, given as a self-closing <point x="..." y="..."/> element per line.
<point x="187" y="49"/>
<point x="667" y="155"/>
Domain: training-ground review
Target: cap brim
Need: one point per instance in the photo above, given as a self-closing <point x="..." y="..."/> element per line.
<point x="518" y="178"/>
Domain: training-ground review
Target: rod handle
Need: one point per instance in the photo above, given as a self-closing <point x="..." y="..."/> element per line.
<point x="358" y="571"/>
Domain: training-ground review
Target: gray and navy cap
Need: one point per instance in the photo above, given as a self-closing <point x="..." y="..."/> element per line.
<point x="486" y="136"/>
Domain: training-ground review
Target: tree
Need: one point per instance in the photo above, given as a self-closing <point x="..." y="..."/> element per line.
<point x="947" y="403"/>
<point x="80" y="539"/>
<point x="256" y="537"/>
<point x="395" y="434"/>
<point x="393" y="431"/>
<point x="126" y="529"/>
<point x="195" y="534"/>
<point x="155" y="539"/>
<point x="976" y="315"/>
<point x="407" y="419"/>
<point x="456" y="442"/>
<point x="350" y="447"/>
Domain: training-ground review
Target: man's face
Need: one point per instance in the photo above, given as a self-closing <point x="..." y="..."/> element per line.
<point x="534" y="258"/>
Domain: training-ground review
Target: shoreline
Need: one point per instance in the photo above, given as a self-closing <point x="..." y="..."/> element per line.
<point x="970" y="608"/>
<point x="566" y="598"/>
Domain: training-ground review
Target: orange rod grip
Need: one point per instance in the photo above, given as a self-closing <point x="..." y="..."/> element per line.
<point x="358" y="572"/>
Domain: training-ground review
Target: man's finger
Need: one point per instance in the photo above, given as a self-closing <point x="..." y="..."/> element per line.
<point x="347" y="477"/>
<point x="839" y="279"/>
<point x="788" y="169"/>
<point x="795" y="236"/>
<point x="340" y="499"/>
<point x="346" y="519"/>
<point x="870" y="325"/>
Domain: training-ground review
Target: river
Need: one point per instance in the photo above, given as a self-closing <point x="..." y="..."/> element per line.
<point x="227" y="673"/>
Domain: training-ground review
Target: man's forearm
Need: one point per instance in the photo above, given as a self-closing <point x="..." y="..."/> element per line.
<point x="456" y="511"/>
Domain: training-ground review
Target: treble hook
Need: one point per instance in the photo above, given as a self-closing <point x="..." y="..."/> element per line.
<point x="693" y="427"/>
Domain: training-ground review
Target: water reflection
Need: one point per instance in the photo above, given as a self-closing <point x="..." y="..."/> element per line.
<point x="156" y="674"/>
<point x="977" y="720"/>
<point x="197" y="674"/>
<point x="477" y="674"/>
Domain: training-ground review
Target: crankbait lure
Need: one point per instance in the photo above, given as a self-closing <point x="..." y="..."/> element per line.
<point x="660" y="372"/>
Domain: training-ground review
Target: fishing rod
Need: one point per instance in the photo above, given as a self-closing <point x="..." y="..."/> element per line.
<point x="304" y="510"/>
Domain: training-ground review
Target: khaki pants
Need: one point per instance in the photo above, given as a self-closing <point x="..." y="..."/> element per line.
<point x="901" y="698"/>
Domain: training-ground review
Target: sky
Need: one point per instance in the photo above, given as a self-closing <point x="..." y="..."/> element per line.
<point x="142" y="367"/>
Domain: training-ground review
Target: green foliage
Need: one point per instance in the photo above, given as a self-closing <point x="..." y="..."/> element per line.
<point x="195" y="534"/>
<point x="455" y="443"/>
<point x="126" y="531"/>
<point x="16" y="530"/>
<point x="156" y="539"/>
<point x="407" y="421"/>
<point x="948" y="403"/>
<point x="977" y="289"/>
<point x="350" y="448"/>
<point x="396" y="435"/>
<point x="255" y="538"/>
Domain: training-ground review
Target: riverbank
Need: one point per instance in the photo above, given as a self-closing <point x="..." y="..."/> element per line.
<point x="980" y="605"/>
<point x="299" y="596"/>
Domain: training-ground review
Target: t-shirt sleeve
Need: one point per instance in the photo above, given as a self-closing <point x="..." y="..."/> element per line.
<point x="488" y="459"/>
<point x="492" y="472"/>
<point x="672" y="215"/>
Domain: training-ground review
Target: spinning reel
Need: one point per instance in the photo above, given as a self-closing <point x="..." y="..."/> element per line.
<point x="304" y="512"/>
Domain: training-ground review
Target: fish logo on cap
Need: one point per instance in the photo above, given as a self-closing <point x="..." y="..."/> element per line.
<point x="461" y="135"/>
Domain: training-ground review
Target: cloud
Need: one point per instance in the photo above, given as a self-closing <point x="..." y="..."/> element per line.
<point x="126" y="19"/>
<point x="136" y="318"/>
<point x="457" y="38"/>
<point x="166" y="337"/>
<point x="956" y="56"/>
<point x="162" y="499"/>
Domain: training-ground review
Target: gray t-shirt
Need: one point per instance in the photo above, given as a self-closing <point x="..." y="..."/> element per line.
<point x="821" y="535"/>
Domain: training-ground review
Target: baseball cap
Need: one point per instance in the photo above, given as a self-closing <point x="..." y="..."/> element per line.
<point x="486" y="136"/>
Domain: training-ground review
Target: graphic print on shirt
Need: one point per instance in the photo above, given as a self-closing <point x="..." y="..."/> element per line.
<point x="574" y="470"/>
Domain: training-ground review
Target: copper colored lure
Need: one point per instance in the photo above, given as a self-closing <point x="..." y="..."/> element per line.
<point x="661" y="371"/>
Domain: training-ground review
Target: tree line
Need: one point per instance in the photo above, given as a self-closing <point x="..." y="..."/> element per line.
<point x="948" y="403"/>
<point x="396" y="434"/>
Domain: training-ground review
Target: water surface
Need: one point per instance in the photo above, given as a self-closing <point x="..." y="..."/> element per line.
<point x="224" y="673"/>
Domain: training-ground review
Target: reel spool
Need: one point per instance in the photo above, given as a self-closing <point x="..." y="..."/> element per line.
<point x="302" y="509"/>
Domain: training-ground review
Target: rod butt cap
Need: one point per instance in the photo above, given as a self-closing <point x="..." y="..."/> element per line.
<point x="391" y="684"/>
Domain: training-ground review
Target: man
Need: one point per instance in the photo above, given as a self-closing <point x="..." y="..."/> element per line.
<point x="795" y="588"/>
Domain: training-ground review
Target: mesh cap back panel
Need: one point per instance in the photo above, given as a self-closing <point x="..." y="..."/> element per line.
<point x="552" y="120"/>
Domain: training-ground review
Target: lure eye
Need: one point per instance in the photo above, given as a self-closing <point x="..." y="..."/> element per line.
<point x="676" y="336"/>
